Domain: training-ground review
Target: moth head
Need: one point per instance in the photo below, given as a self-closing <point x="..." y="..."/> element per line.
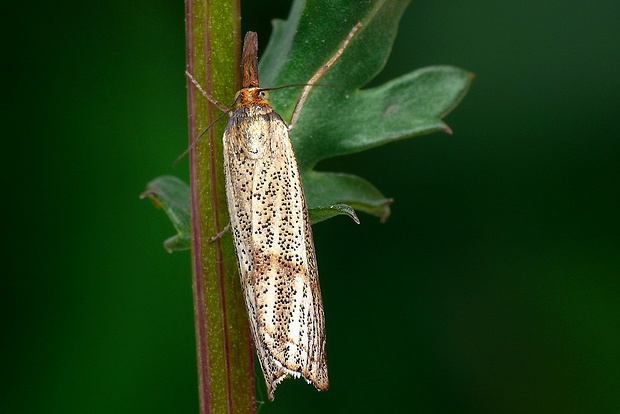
<point x="251" y="96"/>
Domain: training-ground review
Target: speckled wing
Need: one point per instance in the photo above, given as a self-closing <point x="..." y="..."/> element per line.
<point x="274" y="246"/>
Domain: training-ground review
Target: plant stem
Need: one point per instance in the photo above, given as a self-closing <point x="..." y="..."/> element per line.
<point x="223" y="340"/>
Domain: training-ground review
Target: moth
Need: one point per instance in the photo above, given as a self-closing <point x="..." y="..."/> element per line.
<point x="271" y="231"/>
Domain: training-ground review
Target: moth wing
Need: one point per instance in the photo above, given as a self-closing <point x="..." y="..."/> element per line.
<point x="237" y="171"/>
<point x="275" y="250"/>
<point x="285" y="282"/>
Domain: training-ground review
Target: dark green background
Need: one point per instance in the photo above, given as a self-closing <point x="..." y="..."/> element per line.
<point x="493" y="287"/>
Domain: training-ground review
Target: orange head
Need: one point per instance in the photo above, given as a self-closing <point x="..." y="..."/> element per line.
<point x="251" y="96"/>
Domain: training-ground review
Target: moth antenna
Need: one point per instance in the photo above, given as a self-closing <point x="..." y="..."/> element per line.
<point x="319" y="73"/>
<point x="221" y="107"/>
<point x="193" y="145"/>
<point x="206" y="94"/>
<point x="292" y="85"/>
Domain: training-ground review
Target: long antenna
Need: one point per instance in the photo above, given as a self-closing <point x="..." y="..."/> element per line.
<point x="207" y="95"/>
<point x="318" y="74"/>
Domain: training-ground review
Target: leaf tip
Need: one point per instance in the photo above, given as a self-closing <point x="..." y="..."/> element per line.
<point x="318" y="214"/>
<point x="383" y="218"/>
<point x="177" y="243"/>
<point x="172" y="195"/>
<point x="151" y="195"/>
<point x="354" y="217"/>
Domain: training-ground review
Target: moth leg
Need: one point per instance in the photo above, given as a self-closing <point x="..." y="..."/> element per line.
<point x="220" y="234"/>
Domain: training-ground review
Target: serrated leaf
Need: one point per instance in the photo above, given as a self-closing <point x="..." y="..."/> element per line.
<point x="409" y="106"/>
<point x="172" y="195"/>
<point x="339" y="117"/>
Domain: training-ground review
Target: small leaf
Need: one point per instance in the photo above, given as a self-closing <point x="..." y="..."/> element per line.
<point x="172" y="194"/>
<point x="325" y="188"/>
<point x="319" y="214"/>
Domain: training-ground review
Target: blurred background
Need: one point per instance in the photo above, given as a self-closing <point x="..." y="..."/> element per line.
<point x="493" y="287"/>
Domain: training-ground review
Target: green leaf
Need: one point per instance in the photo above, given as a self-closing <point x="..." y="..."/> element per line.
<point x="409" y="106"/>
<point x="172" y="195"/>
<point x="339" y="116"/>
<point x="320" y="214"/>
<point x="338" y="188"/>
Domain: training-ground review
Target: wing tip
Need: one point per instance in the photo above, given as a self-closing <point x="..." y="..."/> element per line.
<point x="319" y="380"/>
